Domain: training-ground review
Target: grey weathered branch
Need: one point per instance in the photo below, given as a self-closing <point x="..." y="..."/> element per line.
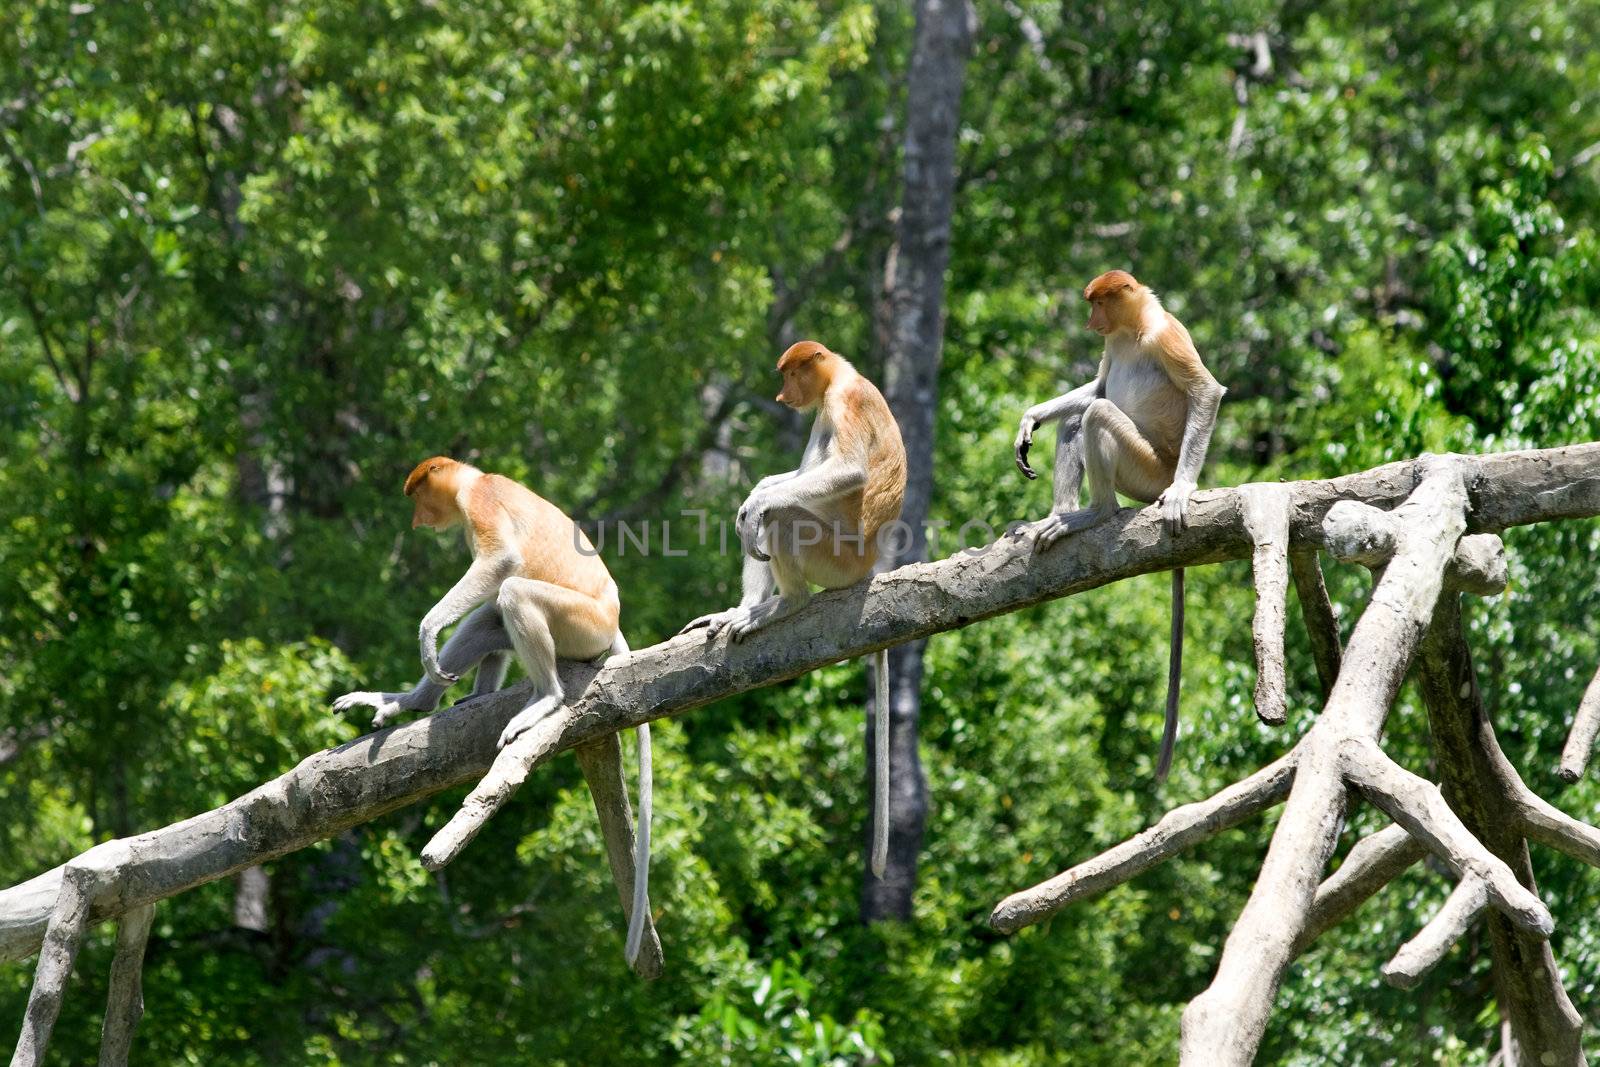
<point x="1374" y="862"/>
<point x="1265" y="509"/>
<point x="1178" y="831"/>
<point x="1224" y="1024"/>
<point x="125" y="998"/>
<point x="1585" y="725"/>
<point x="69" y="917"/>
<point x="1454" y="918"/>
<point x="1550" y="826"/>
<point x="1482" y="786"/>
<point x="1419" y="806"/>
<point x="1322" y="622"/>
<point x="334" y="790"/>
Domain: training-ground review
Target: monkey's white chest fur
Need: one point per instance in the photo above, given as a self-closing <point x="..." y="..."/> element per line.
<point x="1140" y="387"/>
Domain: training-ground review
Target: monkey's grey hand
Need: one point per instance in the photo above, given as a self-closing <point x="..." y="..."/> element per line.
<point x="749" y="524"/>
<point x="429" y="641"/>
<point x="1023" y="443"/>
<point x="713" y="623"/>
<point x="749" y="620"/>
<point x="1174" y="505"/>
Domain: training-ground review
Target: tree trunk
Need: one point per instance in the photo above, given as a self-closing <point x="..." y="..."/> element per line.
<point x="1486" y="791"/>
<point x="933" y="110"/>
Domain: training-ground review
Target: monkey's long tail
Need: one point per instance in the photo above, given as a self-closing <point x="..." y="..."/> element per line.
<point x="880" y="799"/>
<point x="641" y="837"/>
<point x="1169" y="732"/>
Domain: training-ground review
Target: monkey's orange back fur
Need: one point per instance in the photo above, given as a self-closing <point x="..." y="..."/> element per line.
<point x="500" y="512"/>
<point x="864" y="421"/>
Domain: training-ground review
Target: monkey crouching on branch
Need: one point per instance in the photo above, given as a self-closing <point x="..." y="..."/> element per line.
<point x="820" y="524"/>
<point x="536" y="587"/>
<point x="1140" y="428"/>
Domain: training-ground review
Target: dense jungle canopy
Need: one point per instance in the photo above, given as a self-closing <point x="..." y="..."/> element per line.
<point x="257" y="259"/>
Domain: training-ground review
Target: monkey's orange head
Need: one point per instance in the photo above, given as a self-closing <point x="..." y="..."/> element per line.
<point x="1113" y="301"/>
<point x="432" y="484"/>
<point x="807" y="368"/>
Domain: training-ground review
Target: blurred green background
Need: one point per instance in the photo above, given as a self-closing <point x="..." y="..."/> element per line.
<point x="258" y="258"/>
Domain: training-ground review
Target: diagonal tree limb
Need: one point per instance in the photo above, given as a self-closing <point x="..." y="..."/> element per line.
<point x="1373" y="862"/>
<point x="1419" y="806"/>
<point x="69" y="918"/>
<point x="125" y="998"/>
<point x="1550" y="826"/>
<point x="1322" y="623"/>
<point x="1585" y="725"/>
<point x="1452" y="921"/>
<point x="1266" y="516"/>
<point x="1178" y="831"/>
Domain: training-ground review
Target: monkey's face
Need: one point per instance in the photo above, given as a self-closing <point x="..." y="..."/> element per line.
<point x="802" y="385"/>
<point x="1099" y="320"/>
<point x="1111" y="312"/>
<point x="424" y="515"/>
<point x="432" y="511"/>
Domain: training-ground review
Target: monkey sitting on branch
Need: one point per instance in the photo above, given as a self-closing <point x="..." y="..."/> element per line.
<point x="820" y="525"/>
<point x="1141" y="428"/>
<point x="536" y="586"/>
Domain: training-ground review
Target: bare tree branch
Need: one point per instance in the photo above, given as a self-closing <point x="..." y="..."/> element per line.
<point x="1374" y="862"/>
<point x="1419" y="806"/>
<point x="1223" y="1025"/>
<point x="1550" y="826"/>
<point x="1266" y="517"/>
<point x="68" y="920"/>
<point x="1585" y="725"/>
<point x="1480" y="784"/>
<point x="125" y="999"/>
<point x="331" y="791"/>
<point x="1178" y="831"/>
<point x="1418" y="956"/>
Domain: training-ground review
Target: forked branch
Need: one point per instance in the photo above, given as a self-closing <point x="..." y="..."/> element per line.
<point x="332" y="791"/>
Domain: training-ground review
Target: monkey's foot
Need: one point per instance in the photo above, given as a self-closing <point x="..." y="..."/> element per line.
<point x="524" y="720"/>
<point x="387" y="705"/>
<point x="714" y="623"/>
<point x="1059" y="525"/>
<point x="755" y="618"/>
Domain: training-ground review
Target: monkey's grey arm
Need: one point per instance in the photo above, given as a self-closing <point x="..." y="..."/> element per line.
<point x="1205" y="396"/>
<point x="480" y="582"/>
<point x="828" y="480"/>
<point x="771" y="480"/>
<point x="1065" y="406"/>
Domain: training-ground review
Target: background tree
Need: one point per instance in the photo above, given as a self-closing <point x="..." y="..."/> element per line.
<point x="917" y="264"/>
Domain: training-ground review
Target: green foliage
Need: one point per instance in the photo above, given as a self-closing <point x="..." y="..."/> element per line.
<point x="259" y="258"/>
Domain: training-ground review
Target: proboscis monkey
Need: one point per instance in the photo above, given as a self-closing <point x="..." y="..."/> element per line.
<point x="1141" y="428"/>
<point x="821" y="524"/>
<point x="536" y="586"/>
